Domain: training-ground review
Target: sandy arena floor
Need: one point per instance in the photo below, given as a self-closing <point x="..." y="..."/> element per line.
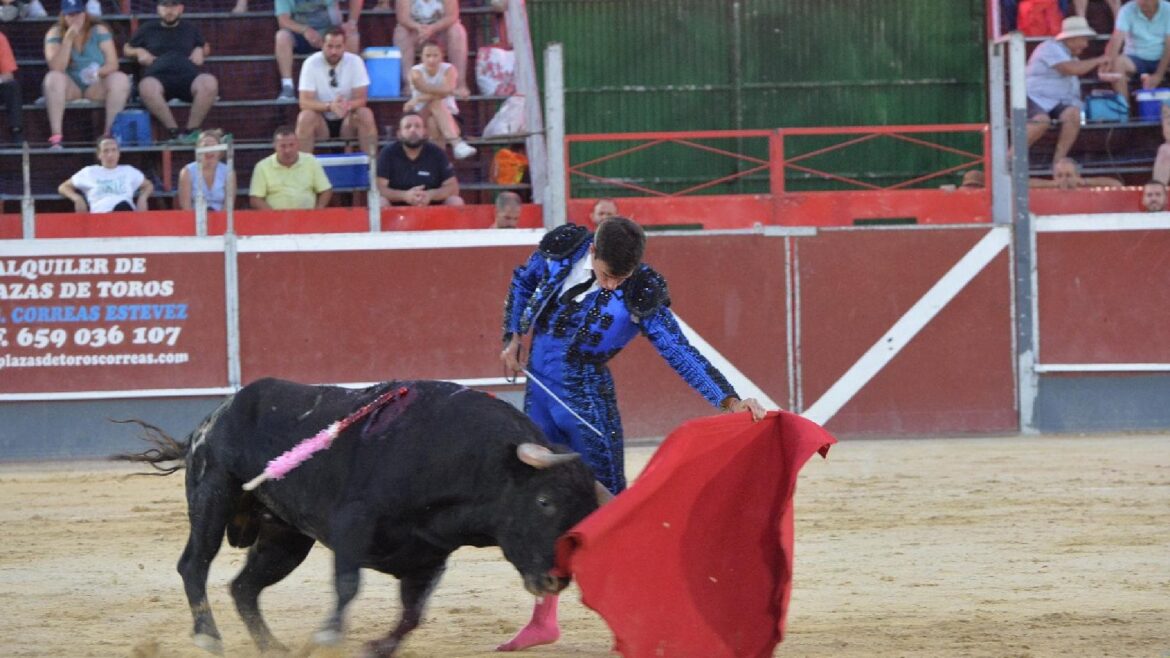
<point x="960" y="547"/>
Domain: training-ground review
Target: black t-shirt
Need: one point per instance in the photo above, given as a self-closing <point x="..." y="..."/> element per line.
<point x="171" y="47"/>
<point x="429" y="169"/>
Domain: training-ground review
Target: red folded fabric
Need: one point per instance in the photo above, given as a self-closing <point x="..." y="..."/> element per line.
<point x="695" y="559"/>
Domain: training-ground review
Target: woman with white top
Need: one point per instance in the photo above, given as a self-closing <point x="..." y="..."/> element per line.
<point x="215" y="180"/>
<point x="107" y="186"/>
<point x="432" y="86"/>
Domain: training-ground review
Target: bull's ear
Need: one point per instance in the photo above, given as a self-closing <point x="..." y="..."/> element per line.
<point x="603" y="494"/>
<point x="538" y="456"/>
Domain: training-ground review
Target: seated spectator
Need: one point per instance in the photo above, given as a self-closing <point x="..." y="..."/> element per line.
<point x="83" y="63"/>
<point x="420" y="21"/>
<point x="1143" y="26"/>
<point x="333" y="88"/>
<point x="432" y="86"/>
<point x="973" y="180"/>
<point x="171" y="52"/>
<point x="1066" y="175"/>
<point x="107" y="186"/>
<point x="1054" y="89"/>
<point x="414" y="172"/>
<point x="1154" y="196"/>
<point x="14" y="10"/>
<point x="209" y="173"/>
<point x="603" y="209"/>
<point x="508" y="207"/>
<point x="10" y="92"/>
<point x="289" y="179"/>
<point x="302" y="26"/>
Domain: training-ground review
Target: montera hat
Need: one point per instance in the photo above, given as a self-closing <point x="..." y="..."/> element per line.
<point x="1075" y="26"/>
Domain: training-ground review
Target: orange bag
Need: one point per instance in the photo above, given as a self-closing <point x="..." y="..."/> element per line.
<point x="508" y="167"/>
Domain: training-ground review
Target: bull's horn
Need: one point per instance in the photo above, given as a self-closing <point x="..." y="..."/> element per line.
<point x="538" y="456"/>
<point x="603" y="494"/>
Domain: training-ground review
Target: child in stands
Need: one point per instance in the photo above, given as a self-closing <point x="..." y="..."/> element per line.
<point x="432" y="86"/>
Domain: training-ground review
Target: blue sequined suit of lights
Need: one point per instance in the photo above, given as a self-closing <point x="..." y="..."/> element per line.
<point x="572" y="341"/>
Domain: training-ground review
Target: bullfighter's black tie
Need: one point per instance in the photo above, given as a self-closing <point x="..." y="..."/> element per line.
<point x="573" y="291"/>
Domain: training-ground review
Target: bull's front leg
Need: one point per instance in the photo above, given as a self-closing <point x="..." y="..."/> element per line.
<point x="416" y="589"/>
<point x="350" y="533"/>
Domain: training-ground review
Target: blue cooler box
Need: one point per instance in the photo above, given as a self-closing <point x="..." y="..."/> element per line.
<point x="1150" y="101"/>
<point x="346" y="170"/>
<point x="384" y="66"/>
<point x="132" y="128"/>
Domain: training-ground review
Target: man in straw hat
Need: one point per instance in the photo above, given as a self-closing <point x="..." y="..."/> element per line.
<point x="1054" y="90"/>
<point x="1144" y="27"/>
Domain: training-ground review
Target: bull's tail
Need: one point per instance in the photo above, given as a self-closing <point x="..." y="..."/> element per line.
<point x="167" y="455"/>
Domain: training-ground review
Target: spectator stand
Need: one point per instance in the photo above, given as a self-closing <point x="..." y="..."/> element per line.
<point x="1122" y="149"/>
<point x="243" y="61"/>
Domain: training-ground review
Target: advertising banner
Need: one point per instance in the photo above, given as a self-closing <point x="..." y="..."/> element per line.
<point x="86" y="316"/>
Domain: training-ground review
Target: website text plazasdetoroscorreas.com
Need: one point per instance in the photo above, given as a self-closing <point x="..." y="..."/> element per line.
<point x="80" y="360"/>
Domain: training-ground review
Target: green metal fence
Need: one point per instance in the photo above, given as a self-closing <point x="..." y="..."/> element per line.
<point x="710" y="64"/>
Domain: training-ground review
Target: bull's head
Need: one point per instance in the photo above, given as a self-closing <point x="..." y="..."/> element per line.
<point x="552" y="493"/>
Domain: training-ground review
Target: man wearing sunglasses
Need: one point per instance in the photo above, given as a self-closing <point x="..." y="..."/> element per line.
<point x="333" y="90"/>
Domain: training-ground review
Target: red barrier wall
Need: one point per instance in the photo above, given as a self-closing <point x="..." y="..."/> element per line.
<point x="1104" y="297"/>
<point x="955" y="376"/>
<point x="410" y="306"/>
<point x="359" y="316"/>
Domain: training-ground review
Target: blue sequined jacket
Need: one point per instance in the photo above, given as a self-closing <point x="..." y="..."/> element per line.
<point x="594" y="331"/>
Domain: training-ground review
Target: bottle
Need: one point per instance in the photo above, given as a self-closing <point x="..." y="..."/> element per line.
<point x="89" y="74"/>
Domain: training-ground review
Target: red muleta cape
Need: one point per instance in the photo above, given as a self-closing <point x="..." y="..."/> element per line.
<point x="695" y="559"/>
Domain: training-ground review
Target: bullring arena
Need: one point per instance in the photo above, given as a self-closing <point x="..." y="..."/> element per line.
<point x="1032" y="546"/>
<point x="819" y="252"/>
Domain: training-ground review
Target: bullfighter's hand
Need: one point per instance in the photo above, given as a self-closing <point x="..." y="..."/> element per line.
<point x="513" y="360"/>
<point x="749" y="404"/>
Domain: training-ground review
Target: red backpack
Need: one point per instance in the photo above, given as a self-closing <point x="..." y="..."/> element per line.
<point x="1040" y="18"/>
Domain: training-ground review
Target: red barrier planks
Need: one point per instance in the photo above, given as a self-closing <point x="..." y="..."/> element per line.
<point x="360" y="316"/>
<point x="1104" y="297"/>
<point x="956" y="375"/>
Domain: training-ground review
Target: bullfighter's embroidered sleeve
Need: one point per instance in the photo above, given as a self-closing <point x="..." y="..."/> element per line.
<point x="524" y="281"/>
<point x="648" y="300"/>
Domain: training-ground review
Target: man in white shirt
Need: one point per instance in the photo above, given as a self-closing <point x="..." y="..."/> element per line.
<point x="333" y="90"/>
<point x="108" y="186"/>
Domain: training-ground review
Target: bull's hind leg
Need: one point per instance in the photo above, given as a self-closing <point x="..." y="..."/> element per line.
<point x="278" y="550"/>
<point x="415" y="590"/>
<point x="208" y="506"/>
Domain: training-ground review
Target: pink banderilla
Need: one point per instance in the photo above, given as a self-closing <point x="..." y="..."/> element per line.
<point x="280" y="466"/>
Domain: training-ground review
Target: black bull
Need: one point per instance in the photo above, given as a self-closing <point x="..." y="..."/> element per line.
<point x="439" y="467"/>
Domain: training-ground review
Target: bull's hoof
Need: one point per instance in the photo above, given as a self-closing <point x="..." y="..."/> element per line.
<point x="327" y="637"/>
<point x="383" y="648"/>
<point x="208" y="643"/>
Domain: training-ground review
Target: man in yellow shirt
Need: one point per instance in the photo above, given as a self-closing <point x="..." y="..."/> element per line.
<point x="289" y="179"/>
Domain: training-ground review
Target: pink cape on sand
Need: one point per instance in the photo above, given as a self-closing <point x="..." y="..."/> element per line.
<point x="695" y="559"/>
